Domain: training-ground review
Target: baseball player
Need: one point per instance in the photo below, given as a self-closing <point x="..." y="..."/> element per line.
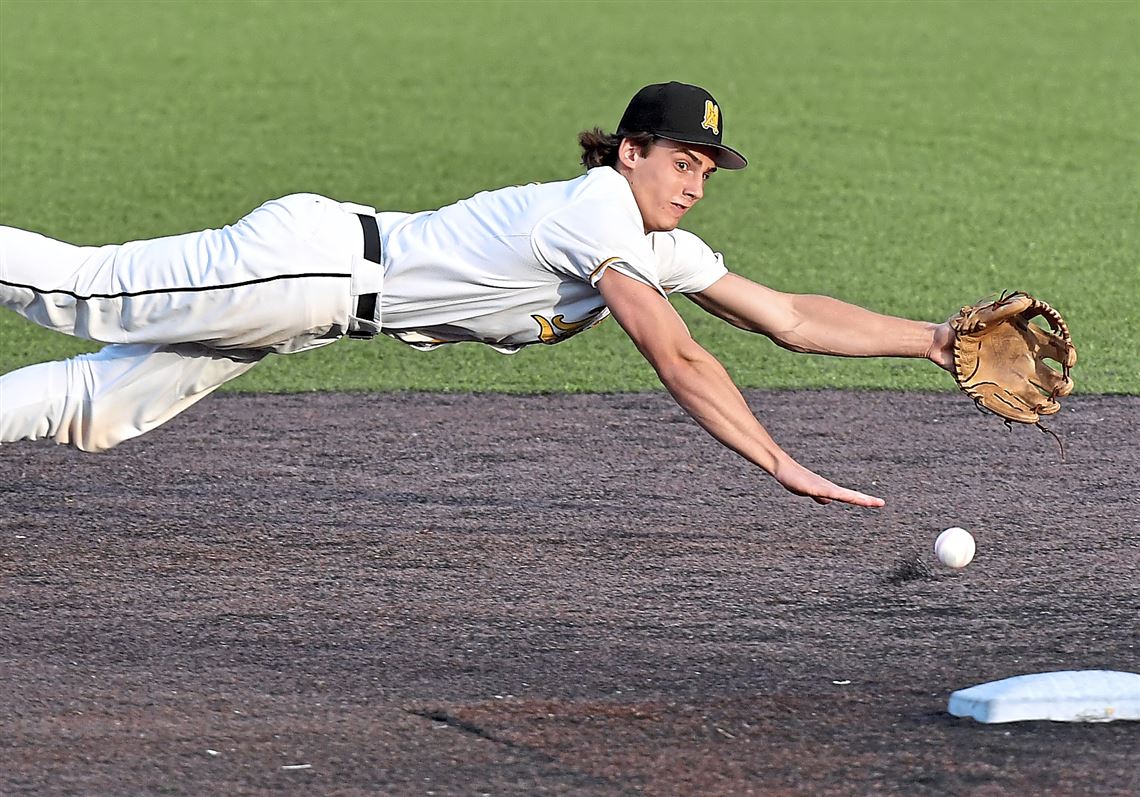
<point x="508" y="268"/>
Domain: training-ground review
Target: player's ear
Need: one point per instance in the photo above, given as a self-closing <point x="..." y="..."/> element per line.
<point x="628" y="152"/>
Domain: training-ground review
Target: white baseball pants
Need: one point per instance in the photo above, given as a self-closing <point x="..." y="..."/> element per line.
<point x="183" y="315"/>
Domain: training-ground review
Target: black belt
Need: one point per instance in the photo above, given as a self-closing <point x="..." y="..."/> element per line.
<point x="366" y="302"/>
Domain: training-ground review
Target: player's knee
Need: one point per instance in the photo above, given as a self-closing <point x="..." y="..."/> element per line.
<point x="93" y="437"/>
<point x="52" y="401"/>
<point x="94" y="417"/>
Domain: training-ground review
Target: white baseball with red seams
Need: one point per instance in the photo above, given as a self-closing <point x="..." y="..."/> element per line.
<point x="955" y="547"/>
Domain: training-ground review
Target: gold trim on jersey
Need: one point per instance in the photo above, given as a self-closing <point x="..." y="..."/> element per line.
<point x="557" y="329"/>
<point x="602" y="265"/>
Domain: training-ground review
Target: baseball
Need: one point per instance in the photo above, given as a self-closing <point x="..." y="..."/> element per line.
<point x="954" y="547"/>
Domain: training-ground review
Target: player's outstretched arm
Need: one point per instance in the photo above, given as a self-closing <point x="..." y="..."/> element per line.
<point x="703" y="388"/>
<point x="823" y="325"/>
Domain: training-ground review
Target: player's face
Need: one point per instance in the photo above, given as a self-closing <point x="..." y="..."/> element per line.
<point x="666" y="181"/>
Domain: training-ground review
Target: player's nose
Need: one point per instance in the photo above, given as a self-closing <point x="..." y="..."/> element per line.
<point x="695" y="188"/>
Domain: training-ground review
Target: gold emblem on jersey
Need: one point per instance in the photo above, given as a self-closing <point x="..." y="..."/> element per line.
<point x="557" y="329"/>
<point x="712" y="117"/>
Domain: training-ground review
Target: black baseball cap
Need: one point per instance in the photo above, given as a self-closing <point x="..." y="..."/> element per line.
<point x="680" y="112"/>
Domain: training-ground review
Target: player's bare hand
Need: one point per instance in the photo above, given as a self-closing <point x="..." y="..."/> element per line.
<point x="797" y="479"/>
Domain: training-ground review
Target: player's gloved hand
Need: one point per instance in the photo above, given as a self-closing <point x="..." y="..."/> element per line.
<point x="797" y="479"/>
<point x="1009" y="365"/>
<point x="941" y="351"/>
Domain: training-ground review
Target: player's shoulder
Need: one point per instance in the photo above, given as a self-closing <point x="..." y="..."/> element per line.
<point x="599" y="187"/>
<point x="602" y="183"/>
<point x="686" y="263"/>
<point x="595" y="219"/>
<point x="677" y="242"/>
<point x="601" y="198"/>
<point x="599" y="184"/>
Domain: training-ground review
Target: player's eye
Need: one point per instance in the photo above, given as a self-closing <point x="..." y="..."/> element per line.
<point x="683" y="166"/>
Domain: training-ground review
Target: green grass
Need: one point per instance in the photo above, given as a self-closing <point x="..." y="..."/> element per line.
<point x="910" y="157"/>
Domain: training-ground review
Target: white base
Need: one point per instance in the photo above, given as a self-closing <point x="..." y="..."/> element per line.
<point x="1065" y="696"/>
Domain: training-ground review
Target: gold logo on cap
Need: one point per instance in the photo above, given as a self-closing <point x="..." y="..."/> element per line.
<point x="712" y="117"/>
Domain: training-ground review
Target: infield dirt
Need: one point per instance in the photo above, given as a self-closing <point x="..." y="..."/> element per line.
<point x="414" y="594"/>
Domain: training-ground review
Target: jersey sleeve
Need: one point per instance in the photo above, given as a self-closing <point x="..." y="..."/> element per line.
<point x="685" y="262"/>
<point x="584" y="239"/>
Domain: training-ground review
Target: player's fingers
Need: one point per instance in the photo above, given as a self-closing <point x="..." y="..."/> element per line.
<point x="801" y="481"/>
<point x="851" y="497"/>
<point x="855" y="497"/>
<point x="862" y="499"/>
<point x="837" y="493"/>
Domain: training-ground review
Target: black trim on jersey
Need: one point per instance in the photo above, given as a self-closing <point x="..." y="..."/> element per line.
<point x="197" y="289"/>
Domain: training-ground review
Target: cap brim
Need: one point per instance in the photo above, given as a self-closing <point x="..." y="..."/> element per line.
<point x="726" y="157"/>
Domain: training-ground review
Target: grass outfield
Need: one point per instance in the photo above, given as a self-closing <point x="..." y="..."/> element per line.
<point x="910" y="157"/>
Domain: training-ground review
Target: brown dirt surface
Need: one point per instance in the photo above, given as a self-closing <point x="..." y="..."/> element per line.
<point x="454" y="594"/>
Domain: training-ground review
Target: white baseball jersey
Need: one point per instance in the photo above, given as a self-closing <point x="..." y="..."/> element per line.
<point x="517" y="266"/>
<point x="186" y="313"/>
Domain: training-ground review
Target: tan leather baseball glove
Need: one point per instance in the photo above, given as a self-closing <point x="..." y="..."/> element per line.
<point x="1001" y="358"/>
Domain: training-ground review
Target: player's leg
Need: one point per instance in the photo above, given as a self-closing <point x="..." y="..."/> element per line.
<point x="96" y="401"/>
<point x="284" y="271"/>
<point x="33" y="265"/>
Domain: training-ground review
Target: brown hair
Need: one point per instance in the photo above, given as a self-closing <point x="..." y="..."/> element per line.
<point x="600" y="148"/>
